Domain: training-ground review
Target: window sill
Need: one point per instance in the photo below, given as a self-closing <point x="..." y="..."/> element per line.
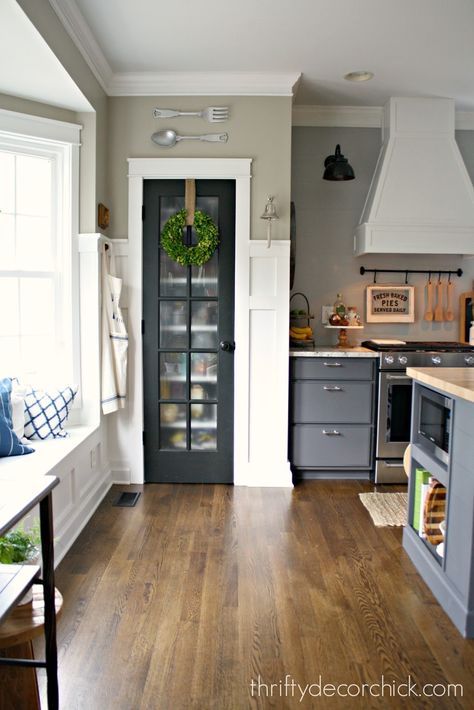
<point x="48" y="455"/>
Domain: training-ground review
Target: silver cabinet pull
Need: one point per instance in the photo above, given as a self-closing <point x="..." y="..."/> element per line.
<point x="399" y="377"/>
<point x="332" y="389"/>
<point x="331" y="433"/>
<point x="332" y="364"/>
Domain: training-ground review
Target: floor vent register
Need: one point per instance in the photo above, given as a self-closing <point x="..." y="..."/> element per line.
<point x="126" y="500"/>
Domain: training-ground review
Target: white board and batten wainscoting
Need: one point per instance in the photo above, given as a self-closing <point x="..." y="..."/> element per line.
<point x="81" y="461"/>
<point x="261" y="328"/>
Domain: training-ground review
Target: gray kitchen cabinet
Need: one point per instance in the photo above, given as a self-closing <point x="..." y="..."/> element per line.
<point x="332" y="416"/>
<point x="449" y="575"/>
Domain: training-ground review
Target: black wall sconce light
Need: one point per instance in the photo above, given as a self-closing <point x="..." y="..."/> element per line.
<point x="337" y="167"/>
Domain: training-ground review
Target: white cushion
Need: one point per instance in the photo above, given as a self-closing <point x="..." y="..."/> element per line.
<point x="17" y="399"/>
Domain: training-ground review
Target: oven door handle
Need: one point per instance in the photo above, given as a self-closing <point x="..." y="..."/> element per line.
<point x="398" y="377"/>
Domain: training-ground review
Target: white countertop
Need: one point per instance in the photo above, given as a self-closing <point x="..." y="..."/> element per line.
<point x="327" y="351"/>
<point x="456" y="381"/>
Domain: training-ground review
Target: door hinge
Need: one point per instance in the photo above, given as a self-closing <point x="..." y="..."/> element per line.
<point x="143" y="213"/>
<point x="143" y="327"/>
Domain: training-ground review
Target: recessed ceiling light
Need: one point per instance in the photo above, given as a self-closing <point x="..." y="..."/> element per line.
<point x="359" y="76"/>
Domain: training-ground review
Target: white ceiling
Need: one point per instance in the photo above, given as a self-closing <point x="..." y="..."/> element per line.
<point x="28" y="67"/>
<point x="414" y="47"/>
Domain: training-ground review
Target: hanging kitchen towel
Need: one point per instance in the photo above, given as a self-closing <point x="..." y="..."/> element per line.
<point x="114" y="339"/>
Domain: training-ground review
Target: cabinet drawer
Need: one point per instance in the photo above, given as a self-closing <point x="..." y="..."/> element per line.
<point x="342" y="368"/>
<point x="348" y="447"/>
<point x="332" y="401"/>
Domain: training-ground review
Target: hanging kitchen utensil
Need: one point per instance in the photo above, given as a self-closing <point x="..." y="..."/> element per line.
<point x="449" y="315"/>
<point x="429" y="300"/>
<point x="438" y="314"/>
<point x="168" y="138"/>
<point x="213" y="114"/>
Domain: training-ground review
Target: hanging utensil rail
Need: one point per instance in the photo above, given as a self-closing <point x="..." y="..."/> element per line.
<point x="450" y="272"/>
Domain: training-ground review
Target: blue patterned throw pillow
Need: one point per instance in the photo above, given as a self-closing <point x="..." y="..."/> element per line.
<point x="10" y="444"/>
<point x="45" y="412"/>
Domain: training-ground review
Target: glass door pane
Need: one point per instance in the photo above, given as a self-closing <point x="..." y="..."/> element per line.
<point x="173" y="378"/>
<point x="204" y="279"/>
<point x="203" y="426"/>
<point x="173" y="324"/>
<point x="204" y="324"/>
<point x="204" y="374"/>
<point x="173" y="426"/>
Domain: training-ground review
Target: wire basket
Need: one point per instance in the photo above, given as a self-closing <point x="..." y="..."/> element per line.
<point x="300" y="319"/>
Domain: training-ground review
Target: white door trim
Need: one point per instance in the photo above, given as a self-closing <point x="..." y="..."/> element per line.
<point x="141" y="169"/>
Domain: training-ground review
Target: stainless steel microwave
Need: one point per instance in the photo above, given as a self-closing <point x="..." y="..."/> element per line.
<point x="434" y="423"/>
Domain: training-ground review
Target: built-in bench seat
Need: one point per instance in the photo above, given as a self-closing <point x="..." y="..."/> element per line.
<point x="48" y="453"/>
<point x="76" y="461"/>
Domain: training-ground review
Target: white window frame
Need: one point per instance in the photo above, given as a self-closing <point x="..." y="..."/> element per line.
<point x="60" y="141"/>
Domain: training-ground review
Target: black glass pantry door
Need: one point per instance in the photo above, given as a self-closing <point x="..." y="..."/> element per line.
<point x="188" y="331"/>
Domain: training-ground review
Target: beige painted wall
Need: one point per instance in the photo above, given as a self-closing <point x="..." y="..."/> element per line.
<point x="34" y="108"/>
<point x="259" y="128"/>
<point x="93" y="183"/>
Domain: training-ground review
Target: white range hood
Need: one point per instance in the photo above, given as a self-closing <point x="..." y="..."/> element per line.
<point x="421" y="199"/>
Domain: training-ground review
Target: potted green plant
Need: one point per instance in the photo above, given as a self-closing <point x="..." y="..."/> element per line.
<point x="21" y="546"/>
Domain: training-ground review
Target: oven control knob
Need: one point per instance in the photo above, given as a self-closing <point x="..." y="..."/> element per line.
<point x="388" y="359"/>
<point x="402" y="359"/>
<point x="436" y="360"/>
<point x="469" y="360"/>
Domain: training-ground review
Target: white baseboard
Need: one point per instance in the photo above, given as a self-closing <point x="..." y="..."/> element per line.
<point x="267" y="474"/>
<point x="120" y="472"/>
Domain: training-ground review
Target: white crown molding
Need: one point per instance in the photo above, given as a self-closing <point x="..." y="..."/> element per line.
<point x="203" y="84"/>
<point x="214" y="83"/>
<point x="77" y="28"/>
<point x="358" y="117"/>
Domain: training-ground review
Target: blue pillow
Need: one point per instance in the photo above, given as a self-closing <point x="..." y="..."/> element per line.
<point x="46" y="412"/>
<point x="10" y="444"/>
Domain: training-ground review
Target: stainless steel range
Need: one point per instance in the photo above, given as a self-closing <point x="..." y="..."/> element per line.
<point x="394" y="395"/>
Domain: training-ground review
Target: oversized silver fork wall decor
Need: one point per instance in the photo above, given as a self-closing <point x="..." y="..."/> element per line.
<point x="213" y="114"/>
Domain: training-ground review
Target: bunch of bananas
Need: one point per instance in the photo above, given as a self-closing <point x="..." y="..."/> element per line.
<point x="305" y="333"/>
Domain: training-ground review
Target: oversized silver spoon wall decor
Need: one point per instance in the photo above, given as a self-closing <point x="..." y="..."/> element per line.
<point x="168" y="138"/>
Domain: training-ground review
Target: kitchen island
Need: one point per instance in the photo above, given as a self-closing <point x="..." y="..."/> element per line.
<point x="439" y="534"/>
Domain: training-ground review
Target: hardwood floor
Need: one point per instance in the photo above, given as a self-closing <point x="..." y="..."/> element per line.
<point x="181" y="601"/>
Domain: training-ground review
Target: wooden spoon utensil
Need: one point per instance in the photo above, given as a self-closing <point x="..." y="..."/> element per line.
<point x="449" y="314"/>
<point x="429" y="301"/>
<point x="438" y="314"/>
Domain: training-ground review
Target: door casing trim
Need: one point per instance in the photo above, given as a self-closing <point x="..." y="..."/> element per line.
<point x="238" y="169"/>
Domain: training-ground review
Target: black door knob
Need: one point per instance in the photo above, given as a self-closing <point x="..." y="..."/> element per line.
<point x="227" y="345"/>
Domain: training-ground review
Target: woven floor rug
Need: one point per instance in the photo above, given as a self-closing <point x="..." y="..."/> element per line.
<point x="386" y="508"/>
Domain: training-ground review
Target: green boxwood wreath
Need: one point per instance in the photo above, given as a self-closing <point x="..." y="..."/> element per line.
<point x="172" y="239"/>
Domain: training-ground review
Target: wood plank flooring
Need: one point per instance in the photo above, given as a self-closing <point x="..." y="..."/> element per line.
<point x="180" y="602"/>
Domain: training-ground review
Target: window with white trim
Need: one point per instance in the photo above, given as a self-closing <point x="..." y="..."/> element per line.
<point x="38" y="307"/>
